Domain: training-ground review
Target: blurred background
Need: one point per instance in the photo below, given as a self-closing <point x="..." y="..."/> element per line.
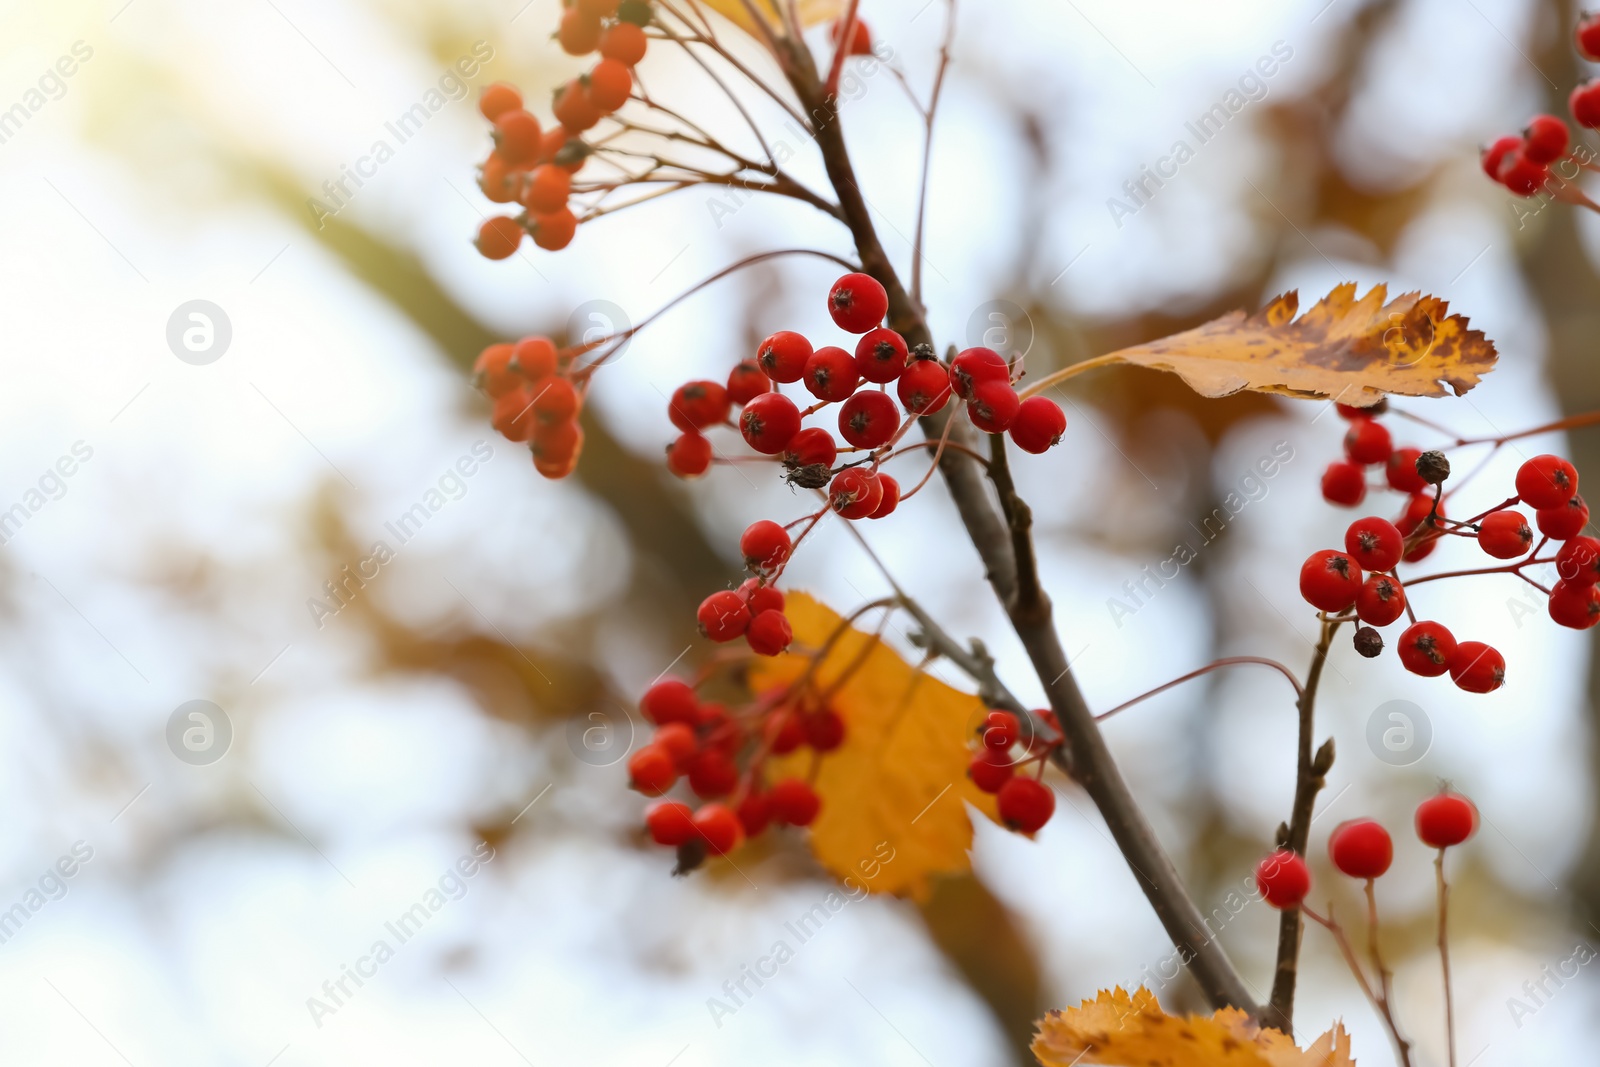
<point x="180" y="515"/>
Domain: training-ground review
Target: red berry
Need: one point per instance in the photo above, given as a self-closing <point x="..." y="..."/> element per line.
<point x="1368" y="442"/>
<point x="1586" y="36"/>
<point x="769" y="633"/>
<point x="624" y="42"/>
<point x="977" y="365"/>
<point x="1380" y="600"/>
<point x="824" y="730"/>
<point x="536" y="357"/>
<point x="785" y="732"/>
<point x="924" y="388"/>
<point x="1565" y="521"/>
<point x="1494" y="154"/>
<point x="993" y="406"/>
<point x="512" y="415"/>
<point x="670" y="700"/>
<point x="1446" y="819"/>
<point x="689" y="456"/>
<point x="1401" y="471"/>
<point x="1584" y="103"/>
<point x="1025" y="804"/>
<point x="547" y="189"/>
<point x="831" y="374"/>
<point x="990" y="770"/>
<point x="1039" y="424"/>
<point x="1505" y="534"/>
<point x="555" y="399"/>
<point x="1361" y="848"/>
<point x="1545" y="139"/>
<point x="499" y="237"/>
<point x="719" y="828"/>
<point x="499" y="98"/>
<point x="857" y="303"/>
<point x="1522" y="175"/>
<point x="610" y="84"/>
<point x="761" y="597"/>
<point x="860" y="37"/>
<point x="1477" y="667"/>
<point x="1578" y="561"/>
<point x="712" y="773"/>
<point x="517" y="136"/>
<point x="1344" y="483"/>
<point x="868" y="419"/>
<point x="783" y="356"/>
<point x="670" y="823"/>
<point x="493" y="373"/>
<point x="769" y="423"/>
<point x="1575" y="606"/>
<point x="1418" y="508"/>
<point x="723" y="615"/>
<point x="651" y="770"/>
<point x="891" y="497"/>
<point x="1426" y="648"/>
<point x="1374" y="543"/>
<point x="746" y="381"/>
<point x="679" y="741"/>
<point x="794" y="802"/>
<point x="1547" y="481"/>
<point x="1330" y="580"/>
<point x="1001" y="730"/>
<point x="855" y="493"/>
<point x="755" y="810"/>
<point x="811" y="447"/>
<point x="881" y="354"/>
<point x="1284" y="879"/>
<point x="573" y="108"/>
<point x="579" y="33"/>
<point x="765" y="546"/>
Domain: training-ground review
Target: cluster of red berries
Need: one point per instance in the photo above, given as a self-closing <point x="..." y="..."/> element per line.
<point x="720" y="752"/>
<point x="754" y="611"/>
<point x="535" y="400"/>
<point x="1363" y="576"/>
<point x="1522" y="164"/>
<point x="1362" y="848"/>
<point x="869" y="421"/>
<point x="533" y="166"/>
<point x="1025" y="804"/>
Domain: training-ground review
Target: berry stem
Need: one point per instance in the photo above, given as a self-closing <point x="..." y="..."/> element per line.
<point x="1379" y="1002"/>
<point x="1227" y="661"/>
<point x="1310" y="775"/>
<point x="928" y="117"/>
<point x="1057" y="377"/>
<point x="1385" y="1003"/>
<point x="1444" y="957"/>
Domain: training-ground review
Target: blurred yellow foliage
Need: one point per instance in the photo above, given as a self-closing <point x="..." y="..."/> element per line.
<point x="811" y="11"/>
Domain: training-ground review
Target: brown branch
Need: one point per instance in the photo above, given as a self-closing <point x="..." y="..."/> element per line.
<point x="1090" y="759"/>
<point x="1311" y="772"/>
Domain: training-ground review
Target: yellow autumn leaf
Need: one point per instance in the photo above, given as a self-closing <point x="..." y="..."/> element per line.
<point x="1351" y="349"/>
<point x="1118" y="1030"/>
<point x="900" y="777"/>
<point x="811" y="12"/>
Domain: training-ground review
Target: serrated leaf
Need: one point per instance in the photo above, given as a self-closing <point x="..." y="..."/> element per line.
<point x="1119" y="1030"/>
<point x="1353" y="350"/>
<point x="900" y="775"/>
<point x="812" y="12"/>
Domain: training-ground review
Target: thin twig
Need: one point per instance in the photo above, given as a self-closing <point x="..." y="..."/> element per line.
<point x="1227" y="661"/>
<point x="927" y="152"/>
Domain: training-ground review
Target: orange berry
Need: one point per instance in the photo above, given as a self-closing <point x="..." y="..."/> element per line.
<point x="554" y="231"/>
<point x="579" y="33"/>
<point x="499" y="98"/>
<point x="610" y="83"/>
<point x="498" y="180"/>
<point x="624" y="42"/>
<point x="517" y="137"/>
<point x="574" y="109"/>
<point x="547" y="190"/>
<point x="499" y="237"/>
